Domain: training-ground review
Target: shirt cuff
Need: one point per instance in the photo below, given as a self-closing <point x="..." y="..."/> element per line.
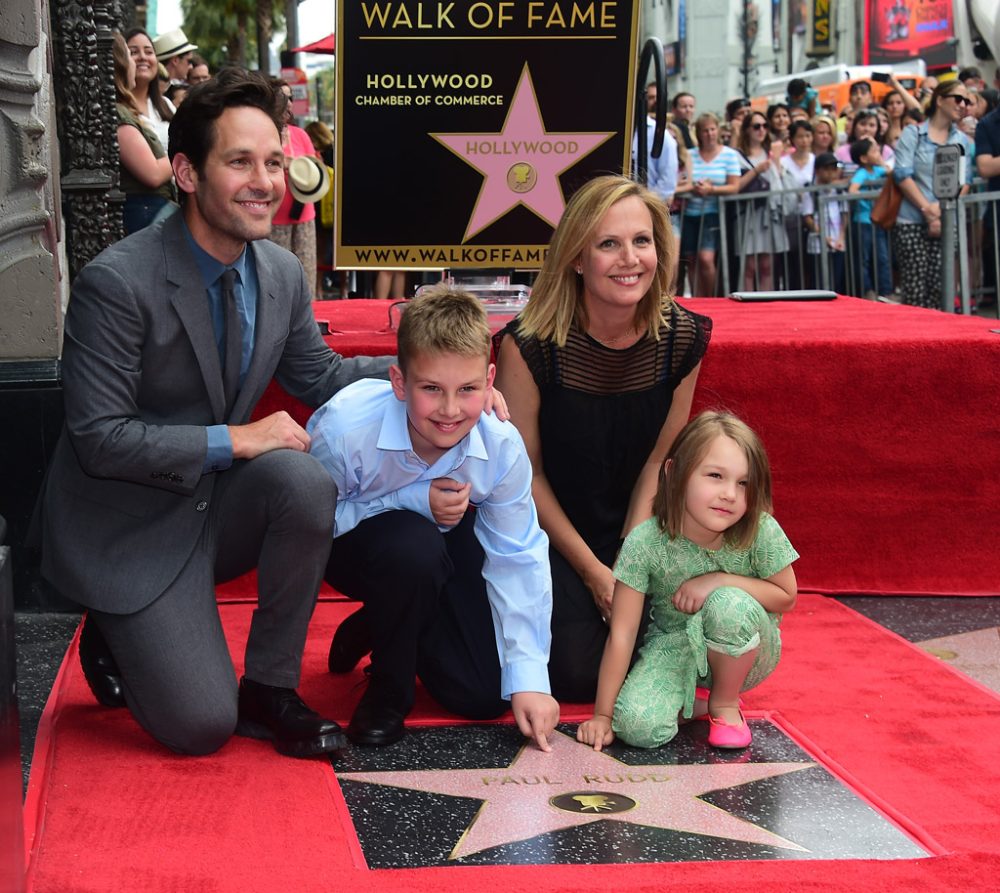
<point x="219" y="455"/>
<point x="525" y="675"/>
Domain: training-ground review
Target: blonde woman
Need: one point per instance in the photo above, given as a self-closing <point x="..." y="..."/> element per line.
<point x="598" y="371"/>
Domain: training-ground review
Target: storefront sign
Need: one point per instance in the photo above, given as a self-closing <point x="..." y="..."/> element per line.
<point x="822" y="39"/>
<point x="899" y="30"/>
<point x="462" y="128"/>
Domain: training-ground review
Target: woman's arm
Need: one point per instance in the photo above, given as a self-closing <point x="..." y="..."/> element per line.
<point x="641" y="504"/>
<point x="909" y="100"/>
<point x="625" y="619"/>
<point x="139" y="159"/>
<point x="523" y="400"/>
<point x="732" y="186"/>
<point x="748" y="175"/>
<point x="776" y="593"/>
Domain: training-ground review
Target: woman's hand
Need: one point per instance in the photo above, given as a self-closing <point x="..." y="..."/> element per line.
<point x="601" y="583"/>
<point x="596" y="732"/>
<point x="496" y="404"/>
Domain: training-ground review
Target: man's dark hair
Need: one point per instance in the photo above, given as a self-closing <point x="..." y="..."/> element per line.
<point x="860" y="148"/>
<point x="192" y="131"/>
<point x="678" y="97"/>
<point x="860" y="86"/>
<point x="970" y="72"/>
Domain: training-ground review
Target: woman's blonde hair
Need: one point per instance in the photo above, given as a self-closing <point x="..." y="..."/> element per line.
<point x="829" y="122"/>
<point x="121" y="57"/>
<point x="320" y="134"/>
<point x="703" y="119"/>
<point x="683" y="156"/>
<point x="688" y="449"/>
<point x="557" y="297"/>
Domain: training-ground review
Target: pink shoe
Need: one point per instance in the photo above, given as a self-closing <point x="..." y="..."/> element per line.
<point x="721" y="734"/>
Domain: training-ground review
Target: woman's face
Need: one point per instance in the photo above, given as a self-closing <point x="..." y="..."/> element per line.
<point x="895" y="106"/>
<point x="619" y="260"/>
<point x="758" y="128"/>
<point x="780" y="121"/>
<point x="141" y="51"/>
<point x="822" y="137"/>
<point x="708" y="135"/>
<point x="956" y="104"/>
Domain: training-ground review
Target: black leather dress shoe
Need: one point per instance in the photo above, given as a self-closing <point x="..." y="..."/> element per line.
<point x="99" y="666"/>
<point x="279" y="715"/>
<point x="351" y="642"/>
<point x="378" y="718"/>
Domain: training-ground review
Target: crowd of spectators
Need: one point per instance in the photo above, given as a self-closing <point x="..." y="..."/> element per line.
<point x="804" y="147"/>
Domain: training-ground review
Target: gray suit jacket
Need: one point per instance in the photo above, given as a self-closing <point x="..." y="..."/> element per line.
<point x="125" y="499"/>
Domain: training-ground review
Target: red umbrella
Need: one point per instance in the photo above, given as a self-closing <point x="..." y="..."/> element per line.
<point x="326" y="45"/>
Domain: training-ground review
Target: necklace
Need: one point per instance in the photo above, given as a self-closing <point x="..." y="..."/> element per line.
<point x="614" y="340"/>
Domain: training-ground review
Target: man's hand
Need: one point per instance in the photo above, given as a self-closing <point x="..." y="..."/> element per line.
<point x="596" y="731"/>
<point x="449" y="501"/>
<point x="536" y="714"/>
<point x="278" y="431"/>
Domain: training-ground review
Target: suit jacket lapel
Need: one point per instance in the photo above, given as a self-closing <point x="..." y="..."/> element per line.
<point x="266" y="331"/>
<point x="186" y="293"/>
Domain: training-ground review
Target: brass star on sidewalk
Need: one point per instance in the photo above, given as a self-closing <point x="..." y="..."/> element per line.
<point x="574" y="785"/>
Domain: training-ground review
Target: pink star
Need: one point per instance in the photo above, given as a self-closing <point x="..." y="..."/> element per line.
<point x="522" y="163"/>
<point x="574" y="785"/>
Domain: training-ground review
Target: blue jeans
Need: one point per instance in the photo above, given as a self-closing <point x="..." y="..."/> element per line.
<point x="140" y="211"/>
<point x="875" y="242"/>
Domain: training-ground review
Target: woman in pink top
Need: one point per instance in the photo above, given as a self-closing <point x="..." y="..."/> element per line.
<point x="296" y="233"/>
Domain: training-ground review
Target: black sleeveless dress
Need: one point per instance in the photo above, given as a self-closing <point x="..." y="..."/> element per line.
<point x="601" y="412"/>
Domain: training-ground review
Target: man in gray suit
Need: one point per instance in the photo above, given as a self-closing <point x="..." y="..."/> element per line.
<point x="160" y="486"/>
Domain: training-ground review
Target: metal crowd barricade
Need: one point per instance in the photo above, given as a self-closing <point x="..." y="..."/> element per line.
<point x="978" y="252"/>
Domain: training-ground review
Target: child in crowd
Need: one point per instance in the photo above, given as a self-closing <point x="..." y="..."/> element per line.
<point x="827" y="173"/>
<point x="460" y="597"/>
<point x="718" y="571"/>
<point x="873" y="255"/>
<point x="802" y="95"/>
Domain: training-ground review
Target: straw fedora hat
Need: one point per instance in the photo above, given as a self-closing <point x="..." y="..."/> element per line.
<point x="172" y="43"/>
<point x="308" y="178"/>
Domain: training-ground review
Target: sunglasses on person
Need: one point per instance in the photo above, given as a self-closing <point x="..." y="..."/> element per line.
<point x="758" y="126"/>
<point x="959" y="100"/>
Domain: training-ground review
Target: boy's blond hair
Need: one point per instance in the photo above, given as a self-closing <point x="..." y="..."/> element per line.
<point x="688" y="450"/>
<point x="443" y="319"/>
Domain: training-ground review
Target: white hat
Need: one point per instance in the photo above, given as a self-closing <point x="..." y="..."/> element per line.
<point x="308" y="179"/>
<point x="171" y="44"/>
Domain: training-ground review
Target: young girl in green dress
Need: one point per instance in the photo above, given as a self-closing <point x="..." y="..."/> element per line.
<point x="718" y="572"/>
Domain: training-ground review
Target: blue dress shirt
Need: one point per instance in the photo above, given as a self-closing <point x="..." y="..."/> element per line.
<point x="362" y="438"/>
<point x="661" y="174"/>
<point x="220" y="447"/>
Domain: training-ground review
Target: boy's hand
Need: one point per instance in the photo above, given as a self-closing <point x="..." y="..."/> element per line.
<point x="596" y="731"/>
<point x="496" y="404"/>
<point x="693" y="593"/>
<point x="536" y="714"/>
<point x="449" y="501"/>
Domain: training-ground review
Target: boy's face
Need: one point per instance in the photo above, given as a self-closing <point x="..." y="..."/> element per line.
<point x="873" y="156"/>
<point x="827" y="173"/>
<point x="444" y="394"/>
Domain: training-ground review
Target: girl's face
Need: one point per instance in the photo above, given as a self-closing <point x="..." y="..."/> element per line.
<point x="141" y="50"/>
<point x="780" y="121"/>
<point x="619" y="261"/>
<point x="716" y="495"/>
<point x="803" y="140"/>
<point x="895" y="106"/>
<point x="822" y="137"/>
<point x="865" y="127"/>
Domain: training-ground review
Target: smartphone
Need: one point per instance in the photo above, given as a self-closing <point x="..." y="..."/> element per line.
<point x="880" y="76"/>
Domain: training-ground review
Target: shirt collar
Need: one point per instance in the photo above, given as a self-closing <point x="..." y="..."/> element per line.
<point x="394" y="434"/>
<point x="210" y="268"/>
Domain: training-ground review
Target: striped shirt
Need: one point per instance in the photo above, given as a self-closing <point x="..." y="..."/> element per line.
<point x="716" y="172"/>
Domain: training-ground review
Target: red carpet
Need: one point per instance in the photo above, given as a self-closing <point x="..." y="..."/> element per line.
<point x="110" y="811"/>
<point x="880" y="421"/>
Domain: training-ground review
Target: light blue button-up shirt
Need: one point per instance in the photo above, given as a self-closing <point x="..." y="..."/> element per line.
<point x="661" y="173"/>
<point x="362" y="439"/>
<point x="915" y="158"/>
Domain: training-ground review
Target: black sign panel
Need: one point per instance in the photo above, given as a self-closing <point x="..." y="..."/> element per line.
<point x="463" y="127"/>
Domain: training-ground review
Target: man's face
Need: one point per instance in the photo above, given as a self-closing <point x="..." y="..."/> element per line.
<point x="179" y="67"/>
<point x="651" y="99"/>
<point x="861" y="96"/>
<point x="684" y="109"/>
<point x="242" y="182"/>
<point x="198" y="74"/>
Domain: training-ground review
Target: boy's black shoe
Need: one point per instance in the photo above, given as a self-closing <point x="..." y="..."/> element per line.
<point x="279" y="715"/>
<point x="99" y="666"/>
<point x="378" y="718"/>
<point x="351" y="642"/>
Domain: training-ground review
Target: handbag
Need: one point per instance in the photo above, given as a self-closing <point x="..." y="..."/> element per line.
<point x="887" y="204"/>
<point x="758" y="184"/>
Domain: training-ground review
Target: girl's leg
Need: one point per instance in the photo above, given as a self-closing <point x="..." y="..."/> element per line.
<point x="706" y="274"/>
<point x="728" y="676"/>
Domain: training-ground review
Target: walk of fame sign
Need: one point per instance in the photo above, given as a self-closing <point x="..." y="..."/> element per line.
<point x="481" y="795"/>
<point x="463" y="128"/>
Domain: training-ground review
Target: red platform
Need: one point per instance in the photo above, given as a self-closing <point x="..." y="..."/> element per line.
<point x="882" y="424"/>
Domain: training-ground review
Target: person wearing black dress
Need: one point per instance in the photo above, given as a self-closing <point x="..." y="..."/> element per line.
<point x="599" y="371"/>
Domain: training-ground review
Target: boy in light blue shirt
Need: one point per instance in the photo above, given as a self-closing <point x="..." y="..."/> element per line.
<point x="436" y="532"/>
<point x="873" y="257"/>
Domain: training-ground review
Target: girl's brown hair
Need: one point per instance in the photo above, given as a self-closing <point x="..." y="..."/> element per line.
<point x="688" y="449"/>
